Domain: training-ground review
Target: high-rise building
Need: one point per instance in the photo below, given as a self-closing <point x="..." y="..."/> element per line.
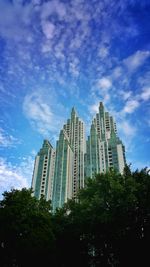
<point x="75" y="130"/>
<point x="43" y="174"/>
<point x="59" y="175"/>
<point x="63" y="176"/>
<point x="69" y="166"/>
<point x="104" y="148"/>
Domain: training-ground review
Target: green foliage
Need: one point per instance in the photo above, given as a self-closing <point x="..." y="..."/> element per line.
<point x="108" y="225"/>
<point x="25" y="228"/>
<point x="111" y="219"/>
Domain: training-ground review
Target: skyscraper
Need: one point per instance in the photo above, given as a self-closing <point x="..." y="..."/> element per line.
<point x="69" y="166"/>
<point x="63" y="176"/>
<point x="104" y="148"/>
<point x="43" y="174"/>
<point x="59" y="175"/>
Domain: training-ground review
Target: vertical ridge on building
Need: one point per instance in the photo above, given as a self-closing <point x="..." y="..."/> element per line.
<point x="62" y="188"/>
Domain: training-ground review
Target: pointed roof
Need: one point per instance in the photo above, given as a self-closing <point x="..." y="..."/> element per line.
<point x="101" y="105"/>
<point x="73" y="112"/>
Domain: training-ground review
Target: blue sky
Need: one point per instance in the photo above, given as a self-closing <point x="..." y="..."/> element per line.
<point x="58" y="54"/>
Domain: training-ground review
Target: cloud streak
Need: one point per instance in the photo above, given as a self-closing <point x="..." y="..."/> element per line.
<point x="131" y="106"/>
<point x="136" y="60"/>
<point x="38" y="112"/>
<point x="37" y="108"/>
<point x="7" y="140"/>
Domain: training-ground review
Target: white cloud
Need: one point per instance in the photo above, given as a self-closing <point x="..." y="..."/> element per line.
<point x="38" y="112"/>
<point x="73" y="66"/>
<point x="136" y="60"/>
<point x="144" y="80"/>
<point x="145" y="95"/>
<point x="130" y="106"/>
<point x="38" y="108"/>
<point x="46" y="46"/>
<point x="125" y="94"/>
<point x="15" y="176"/>
<point x="117" y="72"/>
<point x="94" y="108"/>
<point x="52" y="7"/>
<point x="126" y="128"/>
<point x="14" y="21"/>
<point x="48" y="29"/>
<point x="103" y="52"/>
<point x="104" y="83"/>
<point x="7" y="140"/>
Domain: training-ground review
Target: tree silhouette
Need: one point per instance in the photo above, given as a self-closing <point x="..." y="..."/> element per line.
<point x="108" y="225"/>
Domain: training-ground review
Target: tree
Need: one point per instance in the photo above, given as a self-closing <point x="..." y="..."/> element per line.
<point x="108" y="225"/>
<point x="26" y="234"/>
<point x="111" y="219"/>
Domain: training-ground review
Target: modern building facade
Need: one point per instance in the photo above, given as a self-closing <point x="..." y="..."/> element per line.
<point x="104" y="148"/>
<point x="59" y="175"/>
<point x="43" y="174"/>
<point x="69" y="166"/>
<point x="63" y="176"/>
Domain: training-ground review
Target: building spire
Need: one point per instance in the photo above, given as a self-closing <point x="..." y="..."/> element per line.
<point x="73" y="113"/>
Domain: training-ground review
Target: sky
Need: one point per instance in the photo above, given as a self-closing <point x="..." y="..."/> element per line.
<point x="58" y="54"/>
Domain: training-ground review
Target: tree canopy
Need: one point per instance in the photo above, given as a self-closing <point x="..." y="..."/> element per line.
<point x="107" y="225"/>
<point x="25" y="228"/>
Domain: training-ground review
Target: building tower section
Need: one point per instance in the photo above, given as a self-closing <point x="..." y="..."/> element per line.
<point x="75" y="130"/>
<point x="104" y="148"/>
<point x="63" y="175"/>
<point x="43" y="174"/>
<point x="69" y="165"/>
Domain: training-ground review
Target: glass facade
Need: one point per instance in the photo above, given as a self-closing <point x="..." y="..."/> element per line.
<point x="104" y="148"/>
<point x="62" y="189"/>
<point x="69" y="165"/>
<point x="43" y="174"/>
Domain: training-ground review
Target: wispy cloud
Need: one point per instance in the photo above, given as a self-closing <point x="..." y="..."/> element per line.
<point x="125" y="94"/>
<point x="131" y="106"/>
<point x="48" y="29"/>
<point x="94" y="108"/>
<point x="101" y="91"/>
<point x="104" y="83"/>
<point x="103" y="51"/>
<point x="15" y="176"/>
<point x="127" y="131"/>
<point x="14" y="21"/>
<point x="7" y="140"/>
<point x="145" y="94"/>
<point x="117" y="72"/>
<point x="53" y="7"/>
<point x="39" y="112"/>
<point x="136" y="60"/>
